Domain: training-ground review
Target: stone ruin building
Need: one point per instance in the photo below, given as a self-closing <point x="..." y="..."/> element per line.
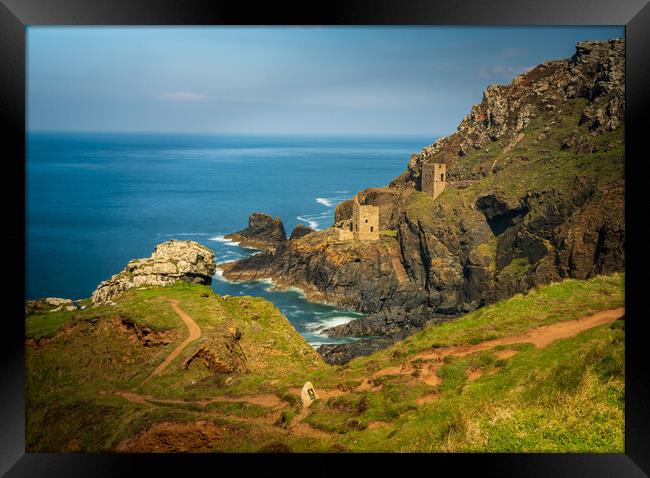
<point x="364" y="225"/>
<point x="433" y="178"/>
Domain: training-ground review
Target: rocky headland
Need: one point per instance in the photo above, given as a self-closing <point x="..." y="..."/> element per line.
<point x="171" y="261"/>
<point x="263" y="232"/>
<point x="535" y="194"/>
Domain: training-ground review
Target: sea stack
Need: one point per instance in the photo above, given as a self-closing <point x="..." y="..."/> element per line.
<point x="263" y="232"/>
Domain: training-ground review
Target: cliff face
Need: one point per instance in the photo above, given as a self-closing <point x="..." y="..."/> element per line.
<point x="171" y="261"/>
<point x="594" y="73"/>
<point x="535" y="194"/>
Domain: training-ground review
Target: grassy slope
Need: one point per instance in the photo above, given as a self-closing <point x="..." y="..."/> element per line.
<point x="547" y="166"/>
<point x="70" y="380"/>
<point x="565" y="397"/>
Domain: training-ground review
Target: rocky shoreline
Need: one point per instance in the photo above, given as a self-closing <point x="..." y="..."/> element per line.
<point x="340" y="354"/>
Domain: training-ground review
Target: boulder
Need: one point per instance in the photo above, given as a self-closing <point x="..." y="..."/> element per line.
<point x="57" y="302"/>
<point x="170" y="262"/>
<point x="339" y="354"/>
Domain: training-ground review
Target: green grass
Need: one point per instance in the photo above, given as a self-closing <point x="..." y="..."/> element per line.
<point x="46" y="324"/>
<point x="565" y="397"/>
<point x="71" y="378"/>
<point x="517" y="268"/>
<point x="464" y="417"/>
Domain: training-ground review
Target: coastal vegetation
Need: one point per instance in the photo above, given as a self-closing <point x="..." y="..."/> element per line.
<point x="85" y="377"/>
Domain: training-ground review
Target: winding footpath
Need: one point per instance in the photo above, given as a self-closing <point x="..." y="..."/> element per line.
<point x="540" y="337"/>
<point x="195" y="333"/>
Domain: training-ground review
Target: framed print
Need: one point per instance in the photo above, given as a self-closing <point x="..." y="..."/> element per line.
<point x="371" y="235"/>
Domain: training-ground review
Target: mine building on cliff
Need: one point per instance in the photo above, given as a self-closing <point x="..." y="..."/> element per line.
<point x="433" y="178"/>
<point x="364" y="225"/>
<point x="365" y="222"/>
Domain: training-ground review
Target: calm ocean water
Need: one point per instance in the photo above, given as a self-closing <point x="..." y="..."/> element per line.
<point x="95" y="201"/>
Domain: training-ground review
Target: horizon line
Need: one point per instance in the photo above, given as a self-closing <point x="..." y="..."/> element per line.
<point x="226" y="133"/>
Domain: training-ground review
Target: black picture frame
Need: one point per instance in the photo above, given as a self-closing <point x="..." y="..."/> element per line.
<point x="15" y="15"/>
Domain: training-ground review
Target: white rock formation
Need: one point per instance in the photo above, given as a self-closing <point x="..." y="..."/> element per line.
<point x="170" y="262"/>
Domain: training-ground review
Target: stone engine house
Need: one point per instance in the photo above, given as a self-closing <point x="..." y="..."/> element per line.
<point x="365" y="222"/>
<point x="364" y="225"/>
<point x="433" y="178"/>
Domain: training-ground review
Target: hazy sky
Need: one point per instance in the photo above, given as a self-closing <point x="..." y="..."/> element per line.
<point x="289" y="80"/>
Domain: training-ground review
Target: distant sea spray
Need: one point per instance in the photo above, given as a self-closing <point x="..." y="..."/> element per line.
<point x="320" y="325"/>
<point x="226" y="242"/>
<point x="321" y="220"/>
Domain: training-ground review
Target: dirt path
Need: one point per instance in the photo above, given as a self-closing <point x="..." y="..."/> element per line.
<point x="195" y="333"/>
<point x="263" y="399"/>
<point x="422" y="367"/>
<point x="540" y="337"/>
<point x="272" y="402"/>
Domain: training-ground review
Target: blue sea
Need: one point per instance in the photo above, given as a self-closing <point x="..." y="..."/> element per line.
<point x="96" y="200"/>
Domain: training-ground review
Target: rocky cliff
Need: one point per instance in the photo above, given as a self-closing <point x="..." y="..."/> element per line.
<point x="535" y="194"/>
<point x="509" y="113"/>
<point x="170" y="262"/>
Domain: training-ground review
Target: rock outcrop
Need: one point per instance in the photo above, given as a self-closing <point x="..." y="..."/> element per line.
<point x="339" y="354"/>
<point x="263" y="232"/>
<point x="170" y="262"/>
<point x="49" y="304"/>
<point x="219" y="355"/>
<point x="299" y="231"/>
<point x="535" y="194"/>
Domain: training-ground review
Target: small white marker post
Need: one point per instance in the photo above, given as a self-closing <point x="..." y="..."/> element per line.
<point x="308" y="394"/>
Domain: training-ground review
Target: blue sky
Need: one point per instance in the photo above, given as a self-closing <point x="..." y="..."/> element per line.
<point x="278" y="80"/>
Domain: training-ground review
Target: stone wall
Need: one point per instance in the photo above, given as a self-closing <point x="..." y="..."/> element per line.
<point x="344" y="230"/>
